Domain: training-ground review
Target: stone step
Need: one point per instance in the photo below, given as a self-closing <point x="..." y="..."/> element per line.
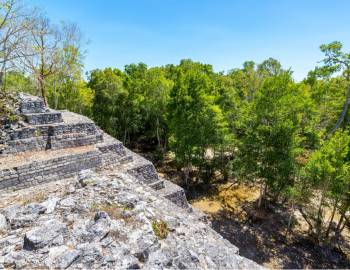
<point x="46" y="142"/>
<point x="111" y="145"/>
<point x="157" y="185"/>
<point x="29" y="170"/>
<point x="29" y="131"/>
<point x="174" y="193"/>
<point x="110" y="159"/>
<point x="71" y="140"/>
<point x="74" y="131"/>
<point x="113" y="151"/>
<point x="49" y="117"/>
<point x="31" y="104"/>
<point x="33" y="168"/>
<point x="24" y="145"/>
<point x="142" y="169"/>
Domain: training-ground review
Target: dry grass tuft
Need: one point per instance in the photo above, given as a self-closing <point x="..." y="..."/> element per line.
<point x="114" y="211"/>
<point x="34" y="198"/>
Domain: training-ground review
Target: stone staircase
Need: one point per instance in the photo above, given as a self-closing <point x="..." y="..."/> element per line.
<point x="50" y="145"/>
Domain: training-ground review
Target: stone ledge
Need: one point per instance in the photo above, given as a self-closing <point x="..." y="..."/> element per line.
<point x="39" y="172"/>
<point x="31" y="104"/>
<point x="49" y="117"/>
<point x="174" y="193"/>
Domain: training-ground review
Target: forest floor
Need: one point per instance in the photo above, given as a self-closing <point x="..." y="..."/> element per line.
<point x="260" y="235"/>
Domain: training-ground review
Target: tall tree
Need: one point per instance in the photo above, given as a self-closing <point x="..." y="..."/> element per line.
<point x="49" y="50"/>
<point x="15" y="25"/>
<point x="337" y="61"/>
<point x="196" y="123"/>
<point x="272" y="134"/>
<point x="328" y="173"/>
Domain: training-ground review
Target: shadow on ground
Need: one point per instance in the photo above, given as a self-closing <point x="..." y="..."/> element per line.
<point x="265" y="242"/>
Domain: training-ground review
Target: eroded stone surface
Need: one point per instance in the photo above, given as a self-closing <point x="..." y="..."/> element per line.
<point x="107" y="223"/>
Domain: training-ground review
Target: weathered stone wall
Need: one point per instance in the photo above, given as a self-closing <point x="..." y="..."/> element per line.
<point x="31" y="104"/>
<point x="43" y="118"/>
<point x="110" y="152"/>
<point x="49" y="170"/>
<point x="72" y="140"/>
<point x="44" y="137"/>
<point x="71" y="132"/>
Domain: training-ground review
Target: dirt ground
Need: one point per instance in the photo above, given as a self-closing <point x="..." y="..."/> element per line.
<point x="262" y="236"/>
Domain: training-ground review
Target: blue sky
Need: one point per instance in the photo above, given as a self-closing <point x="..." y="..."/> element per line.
<point x="222" y="33"/>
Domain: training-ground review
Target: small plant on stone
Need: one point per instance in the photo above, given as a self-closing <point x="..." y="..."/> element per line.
<point x="14" y="118"/>
<point x="37" y="133"/>
<point x="114" y="210"/>
<point x="160" y="229"/>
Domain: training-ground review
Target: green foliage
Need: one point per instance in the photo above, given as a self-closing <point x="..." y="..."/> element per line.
<point x="196" y="121"/>
<point x="273" y="133"/>
<point x="329" y="166"/>
<point x="328" y="95"/>
<point x="18" y="82"/>
<point x="128" y="104"/>
<point x="71" y="94"/>
<point x="7" y="109"/>
<point x="327" y="177"/>
<point x="110" y="100"/>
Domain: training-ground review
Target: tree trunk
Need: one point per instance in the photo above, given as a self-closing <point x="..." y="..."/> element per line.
<point x="42" y="89"/>
<point x="341" y="220"/>
<point x="343" y="112"/>
<point x="290" y="218"/>
<point x="304" y="215"/>
<point x="344" y="224"/>
<point x="2" y="81"/>
<point x="332" y="217"/>
<point x="319" y="217"/>
<point x="124" y="139"/>
<point x="262" y="194"/>
<point x="186" y="176"/>
<point x="157" y="132"/>
<point x="56" y="96"/>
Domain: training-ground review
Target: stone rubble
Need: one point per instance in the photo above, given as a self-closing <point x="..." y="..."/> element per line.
<point x="105" y="223"/>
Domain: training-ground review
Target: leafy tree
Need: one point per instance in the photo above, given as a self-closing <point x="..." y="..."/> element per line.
<point x="273" y="134"/>
<point x="110" y="108"/>
<point x="270" y="68"/>
<point x="15" y="25"/>
<point x="50" y="51"/>
<point x="67" y="88"/>
<point x="157" y="94"/>
<point x="246" y="80"/>
<point x="328" y="95"/>
<point x="18" y="81"/>
<point x="196" y="123"/>
<point x="336" y="61"/>
<point x="328" y="175"/>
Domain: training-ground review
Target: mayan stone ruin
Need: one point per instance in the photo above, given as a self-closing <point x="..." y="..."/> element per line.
<point x="74" y="197"/>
